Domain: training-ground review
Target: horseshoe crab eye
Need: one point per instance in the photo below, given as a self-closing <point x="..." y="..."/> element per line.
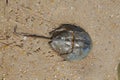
<point x="74" y="43"/>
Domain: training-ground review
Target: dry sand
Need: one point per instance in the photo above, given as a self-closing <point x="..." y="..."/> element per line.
<point x="23" y="58"/>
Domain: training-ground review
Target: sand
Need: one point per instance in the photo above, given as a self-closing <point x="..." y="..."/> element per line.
<point x="25" y="58"/>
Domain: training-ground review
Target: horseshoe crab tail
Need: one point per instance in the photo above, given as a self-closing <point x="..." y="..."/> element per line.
<point x="29" y="35"/>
